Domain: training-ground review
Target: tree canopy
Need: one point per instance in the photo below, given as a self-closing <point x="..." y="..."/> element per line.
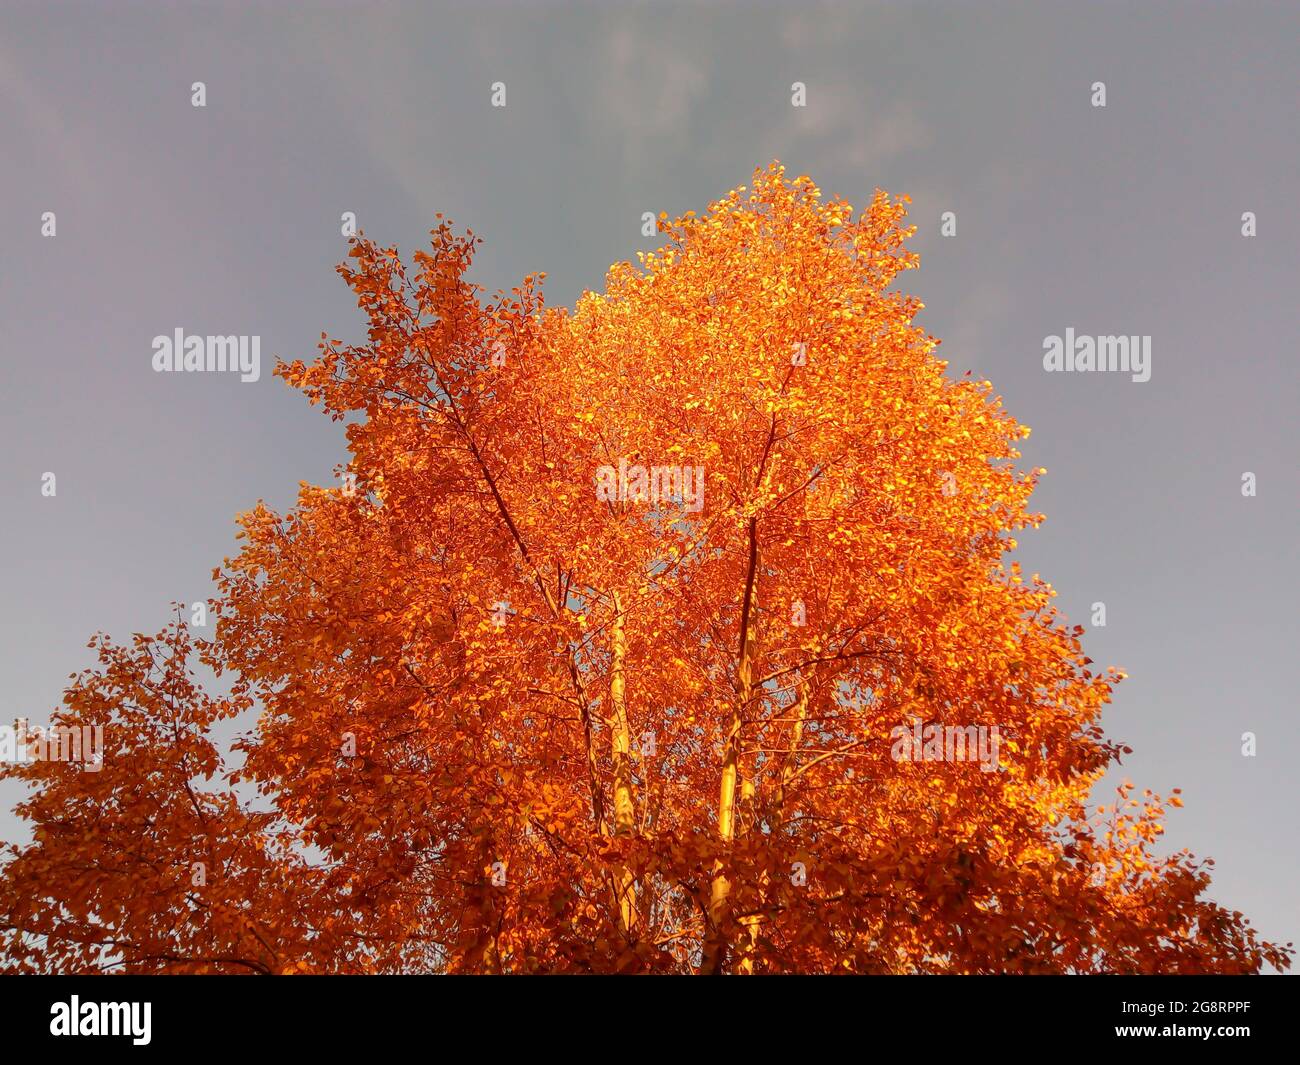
<point x="602" y="655"/>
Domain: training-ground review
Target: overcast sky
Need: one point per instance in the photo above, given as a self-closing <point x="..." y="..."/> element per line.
<point x="1125" y="219"/>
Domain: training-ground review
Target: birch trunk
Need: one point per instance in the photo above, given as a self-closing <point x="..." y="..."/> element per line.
<point x="715" y="944"/>
<point x="621" y="749"/>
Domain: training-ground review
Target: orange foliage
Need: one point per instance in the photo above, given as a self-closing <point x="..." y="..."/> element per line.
<point x="512" y="722"/>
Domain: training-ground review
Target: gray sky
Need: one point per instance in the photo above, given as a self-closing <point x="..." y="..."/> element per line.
<point x="1117" y="220"/>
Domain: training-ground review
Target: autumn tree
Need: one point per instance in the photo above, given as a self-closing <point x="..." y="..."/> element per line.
<point x="605" y="654"/>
